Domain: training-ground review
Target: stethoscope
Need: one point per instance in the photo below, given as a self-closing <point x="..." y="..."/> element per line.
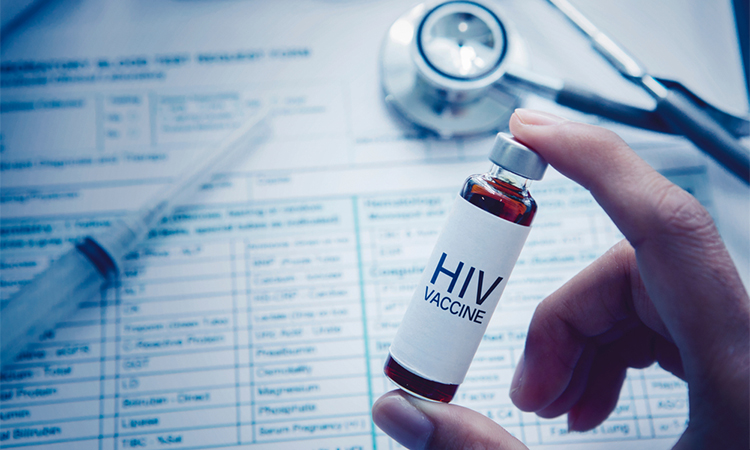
<point x="457" y="68"/>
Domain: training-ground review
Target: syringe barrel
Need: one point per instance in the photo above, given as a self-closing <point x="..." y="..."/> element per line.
<point x="50" y="298"/>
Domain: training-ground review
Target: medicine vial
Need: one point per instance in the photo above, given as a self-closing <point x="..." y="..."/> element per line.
<point x="466" y="274"/>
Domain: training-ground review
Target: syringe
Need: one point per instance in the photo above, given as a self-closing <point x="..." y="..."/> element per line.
<point x="81" y="273"/>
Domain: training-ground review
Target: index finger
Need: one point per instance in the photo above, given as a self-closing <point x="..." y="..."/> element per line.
<point x="599" y="160"/>
<point x="681" y="258"/>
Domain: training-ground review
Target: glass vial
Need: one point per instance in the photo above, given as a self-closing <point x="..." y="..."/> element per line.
<point x="466" y="274"/>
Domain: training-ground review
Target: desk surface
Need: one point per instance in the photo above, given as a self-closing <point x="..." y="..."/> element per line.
<point x="260" y="313"/>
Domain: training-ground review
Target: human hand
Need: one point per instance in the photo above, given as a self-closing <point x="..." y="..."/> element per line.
<point x="669" y="293"/>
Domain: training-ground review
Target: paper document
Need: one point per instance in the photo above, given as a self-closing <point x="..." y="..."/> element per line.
<point x="259" y="314"/>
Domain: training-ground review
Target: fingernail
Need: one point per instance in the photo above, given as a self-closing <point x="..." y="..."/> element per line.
<point x="402" y="421"/>
<point x="534" y="117"/>
<point x="515" y="385"/>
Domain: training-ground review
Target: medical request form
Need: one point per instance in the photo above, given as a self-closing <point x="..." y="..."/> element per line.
<point x="259" y="315"/>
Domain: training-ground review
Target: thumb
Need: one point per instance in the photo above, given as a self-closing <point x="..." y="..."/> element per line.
<point x="420" y="424"/>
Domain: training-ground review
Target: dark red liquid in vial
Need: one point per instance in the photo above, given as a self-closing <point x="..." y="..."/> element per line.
<point x="502" y="200"/>
<point x="414" y="383"/>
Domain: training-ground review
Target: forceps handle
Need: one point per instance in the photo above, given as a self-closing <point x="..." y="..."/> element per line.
<point x="675" y="113"/>
<point x="695" y="124"/>
<point x="591" y="103"/>
<point x="581" y="99"/>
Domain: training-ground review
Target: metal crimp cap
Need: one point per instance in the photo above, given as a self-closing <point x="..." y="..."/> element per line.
<point x="515" y="157"/>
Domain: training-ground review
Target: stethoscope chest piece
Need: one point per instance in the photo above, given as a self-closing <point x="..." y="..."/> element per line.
<point x="439" y="61"/>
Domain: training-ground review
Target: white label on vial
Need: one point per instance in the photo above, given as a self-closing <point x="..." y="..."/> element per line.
<point x="457" y="294"/>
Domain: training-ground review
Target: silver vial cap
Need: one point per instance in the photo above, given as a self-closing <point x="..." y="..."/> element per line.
<point x="515" y="157"/>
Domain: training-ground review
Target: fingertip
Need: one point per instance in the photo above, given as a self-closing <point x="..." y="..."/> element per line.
<point x="532" y="117"/>
<point x="578" y="150"/>
<point x="578" y="422"/>
<point x="524" y="393"/>
<point x="419" y="424"/>
<point x="527" y="125"/>
<point x="582" y="419"/>
<point x="400" y="419"/>
<point x="515" y="385"/>
<point x="600" y="161"/>
<point x="571" y="421"/>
